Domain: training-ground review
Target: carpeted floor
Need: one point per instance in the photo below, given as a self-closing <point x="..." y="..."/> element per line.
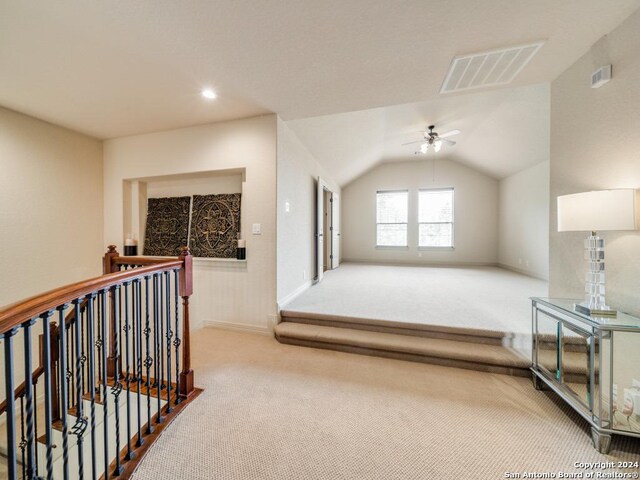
<point x="488" y="298"/>
<point x="274" y="411"/>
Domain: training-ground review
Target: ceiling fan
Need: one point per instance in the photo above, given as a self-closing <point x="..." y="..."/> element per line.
<point x="434" y="140"/>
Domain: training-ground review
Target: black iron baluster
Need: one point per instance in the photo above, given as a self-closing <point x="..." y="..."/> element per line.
<point x="127" y="329"/>
<point x="35" y="424"/>
<point x="23" y="440"/>
<point x="176" y="340"/>
<point x="161" y="336"/>
<point x="64" y="389"/>
<point x="72" y="335"/>
<point x="31" y="471"/>
<point x="154" y="302"/>
<point x="80" y="426"/>
<point x="68" y="373"/>
<point x="169" y="335"/>
<point x="48" y="401"/>
<point x="148" y="361"/>
<point x="138" y="340"/>
<point x="9" y="383"/>
<point x="156" y="348"/>
<point x="84" y="373"/>
<point x="117" y="386"/>
<point x="102" y="322"/>
<point x="134" y="343"/>
<point x="92" y="380"/>
<point x="99" y="340"/>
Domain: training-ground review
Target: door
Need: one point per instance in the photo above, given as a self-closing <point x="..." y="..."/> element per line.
<point x="335" y="230"/>
<point x="320" y="229"/>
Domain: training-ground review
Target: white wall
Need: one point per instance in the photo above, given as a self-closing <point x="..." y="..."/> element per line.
<point x="594" y="146"/>
<point x="230" y="294"/>
<point x="50" y="206"/>
<point x="203" y="184"/>
<point x="298" y="172"/>
<point x="475" y="216"/>
<point x="524" y="221"/>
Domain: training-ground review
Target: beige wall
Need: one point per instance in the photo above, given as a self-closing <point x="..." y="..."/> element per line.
<point x="524" y="221"/>
<point x="594" y="145"/>
<point x="475" y="223"/>
<point x="236" y="295"/>
<point x="298" y="172"/>
<point x="50" y="206"/>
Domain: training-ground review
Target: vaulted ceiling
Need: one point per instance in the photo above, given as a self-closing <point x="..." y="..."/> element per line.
<point x="115" y="68"/>
<point x="502" y="132"/>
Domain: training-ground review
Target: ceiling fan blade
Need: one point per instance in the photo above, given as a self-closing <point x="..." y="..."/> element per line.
<point x="449" y="134"/>
<point x="411" y="143"/>
<point x="448" y="142"/>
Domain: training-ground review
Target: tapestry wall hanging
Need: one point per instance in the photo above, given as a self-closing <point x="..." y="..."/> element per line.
<point x="215" y="223"/>
<point x="167" y="227"/>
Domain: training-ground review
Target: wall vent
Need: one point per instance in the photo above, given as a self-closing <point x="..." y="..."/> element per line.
<point x="601" y="76"/>
<point x="486" y="69"/>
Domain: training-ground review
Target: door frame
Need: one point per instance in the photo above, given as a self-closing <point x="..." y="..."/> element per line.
<point x="321" y="235"/>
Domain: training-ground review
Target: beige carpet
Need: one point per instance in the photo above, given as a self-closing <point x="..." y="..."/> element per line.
<point x="274" y="411"/>
<point x="486" y="298"/>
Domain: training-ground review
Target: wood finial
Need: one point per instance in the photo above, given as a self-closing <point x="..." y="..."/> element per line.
<point x="185" y="252"/>
<point x="108" y="264"/>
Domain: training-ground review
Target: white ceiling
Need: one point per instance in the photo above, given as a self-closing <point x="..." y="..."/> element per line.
<point x="503" y="132"/>
<point x="114" y="68"/>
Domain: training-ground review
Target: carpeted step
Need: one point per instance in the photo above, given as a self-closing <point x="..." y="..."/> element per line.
<point x="483" y="357"/>
<point x="460" y="334"/>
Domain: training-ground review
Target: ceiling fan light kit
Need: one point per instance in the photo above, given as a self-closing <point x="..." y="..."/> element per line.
<point x="434" y="140"/>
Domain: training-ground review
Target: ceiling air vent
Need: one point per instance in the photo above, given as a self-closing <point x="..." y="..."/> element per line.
<point x="486" y="69"/>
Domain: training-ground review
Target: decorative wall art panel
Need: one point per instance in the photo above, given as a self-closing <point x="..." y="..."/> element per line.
<point x="215" y="223"/>
<point x="167" y="227"/>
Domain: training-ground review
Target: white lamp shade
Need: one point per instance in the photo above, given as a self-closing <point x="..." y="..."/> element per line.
<point x="597" y="211"/>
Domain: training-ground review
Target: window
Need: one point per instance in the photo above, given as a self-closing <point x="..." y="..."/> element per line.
<point x="391" y="218"/>
<point x="435" y="218"/>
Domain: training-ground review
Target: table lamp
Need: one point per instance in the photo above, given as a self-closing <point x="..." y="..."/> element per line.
<point x="592" y="212"/>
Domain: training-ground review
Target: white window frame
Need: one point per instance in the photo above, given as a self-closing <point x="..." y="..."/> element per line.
<point x="406" y="245"/>
<point x="452" y="222"/>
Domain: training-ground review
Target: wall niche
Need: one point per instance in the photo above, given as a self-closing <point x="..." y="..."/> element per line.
<point x="203" y="207"/>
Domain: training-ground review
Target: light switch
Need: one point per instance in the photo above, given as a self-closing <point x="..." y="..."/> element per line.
<point x="256" y="229"/>
<point x="287" y="206"/>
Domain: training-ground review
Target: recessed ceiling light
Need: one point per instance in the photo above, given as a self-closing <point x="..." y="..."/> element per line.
<point x="208" y="93"/>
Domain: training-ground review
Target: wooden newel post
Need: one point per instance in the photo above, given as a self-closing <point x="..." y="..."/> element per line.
<point x="186" y="289"/>
<point x="109" y="266"/>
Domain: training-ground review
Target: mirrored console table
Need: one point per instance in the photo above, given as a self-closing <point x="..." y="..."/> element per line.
<point x="591" y="362"/>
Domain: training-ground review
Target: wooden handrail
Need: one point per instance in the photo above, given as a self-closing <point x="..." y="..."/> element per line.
<point x="17" y="313"/>
<point x="141" y="260"/>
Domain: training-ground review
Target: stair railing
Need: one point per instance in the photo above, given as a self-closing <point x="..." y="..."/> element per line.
<point x="114" y="352"/>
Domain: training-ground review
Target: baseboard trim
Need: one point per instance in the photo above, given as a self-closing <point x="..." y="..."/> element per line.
<point x="298" y="291"/>
<point x="238" y="327"/>
<point x="413" y="263"/>
<point x="521" y="271"/>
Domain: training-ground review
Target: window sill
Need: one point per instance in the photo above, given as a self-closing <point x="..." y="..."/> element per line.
<point x="436" y="248"/>
<point x="391" y="247"/>
<point x="222" y="262"/>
